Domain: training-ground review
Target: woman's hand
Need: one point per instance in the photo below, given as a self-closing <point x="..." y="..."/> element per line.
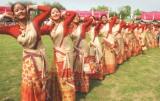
<point x="64" y="14"/>
<point x="7" y="14"/>
<point x="31" y="7"/>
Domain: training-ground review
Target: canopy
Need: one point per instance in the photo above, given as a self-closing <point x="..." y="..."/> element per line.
<point x="4" y="9"/>
<point x="155" y="15"/>
<point x="97" y="14"/>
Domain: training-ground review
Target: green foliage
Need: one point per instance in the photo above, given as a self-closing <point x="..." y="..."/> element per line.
<point x="122" y="14"/>
<point x="137" y="12"/>
<point x="113" y="13"/>
<point x="56" y="4"/>
<point x="125" y="11"/>
<point x="100" y="8"/>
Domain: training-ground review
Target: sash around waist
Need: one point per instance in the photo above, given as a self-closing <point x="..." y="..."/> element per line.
<point x="32" y="52"/>
<point x="62" y="51"/>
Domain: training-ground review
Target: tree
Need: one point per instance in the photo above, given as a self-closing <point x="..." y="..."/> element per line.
<point x="113" y="13"/>
<point x="100" y="8"/>
<point x="137" y="12"/>
<point x="57" y="5"/>
<point x="122" y="15"/>
<point x="125" y="11"/>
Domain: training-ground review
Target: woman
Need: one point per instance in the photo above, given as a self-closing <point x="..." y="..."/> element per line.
<point x="137" y="32"/>
<point x="80" y="53"/>
<point x="157" y="35"/>
<point x="95" y="51"/>
<point x="154" y="32"/>
<point x="101" y="31"/>
<point x="128" y="38"/>
<point x="109" y="48"/>
<point x="137" y="37"/>
<point x="150" y="37"/>
<point x="26" y="32"/>
<point x="59" y="31"/>
<point x="143" y="37"/>
<point x="119" y="41"/>
<point x="133" y="41"/>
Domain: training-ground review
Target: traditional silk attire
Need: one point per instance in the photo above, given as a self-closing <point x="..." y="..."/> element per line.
<point x="150" y="39"/>
<point x="143" y="37"/>
<point x="119" y="41"/>
<point x="125" y="32"/>
<point x="92" y="52"/>
<point x="63" y="59"/>
<point x="96" y="52"/>
<point x="134" y="40"/>
<point x="34" y="68"/>
<point x="137" y="37"/>
<point x="109" y="49"/>
<point x="153" y="31"/>
<point x="81" y="47"/>
<point x="101" y="31"/>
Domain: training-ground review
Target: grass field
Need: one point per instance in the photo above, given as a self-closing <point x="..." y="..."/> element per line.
<point x="138" y="79"/>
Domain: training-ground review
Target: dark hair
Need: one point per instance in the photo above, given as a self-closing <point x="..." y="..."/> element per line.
<point x="14" y="4"/>
<point x="92" y="17"/>
<point x="62" y="17"/>
<point x="78" y="16"/>
<point x="103" y="16"/>
<point x="56" y="8"/>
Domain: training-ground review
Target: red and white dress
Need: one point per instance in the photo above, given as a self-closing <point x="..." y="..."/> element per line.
<point x="143" y="33"/>
<point x="34" y="68"/>
<point x="80" y="56"/>
<point x="120" y="54"/>
<point x="63" y="58"/>
<point x="103" y="29"/>
<point x="126" y="41"/>
<point x="96" y="52"/>
<point x="118" y="42"/>
<point x="137" y="47"/>
<point x="109" y="49"/>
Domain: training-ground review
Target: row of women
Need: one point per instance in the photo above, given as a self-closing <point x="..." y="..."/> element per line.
<point x="83" y="49"/>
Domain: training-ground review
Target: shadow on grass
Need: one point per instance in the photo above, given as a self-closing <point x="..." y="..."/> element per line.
<point x="93" y="84"/>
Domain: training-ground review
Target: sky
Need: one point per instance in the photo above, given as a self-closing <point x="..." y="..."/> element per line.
<point x="144" y="5"/>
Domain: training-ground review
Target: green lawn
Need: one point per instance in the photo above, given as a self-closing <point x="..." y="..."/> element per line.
<point x="138" y="79"/>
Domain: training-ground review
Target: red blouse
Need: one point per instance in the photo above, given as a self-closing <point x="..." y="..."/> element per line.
<point x="14" y="30"/>
<point x="98" y="28"/>
<point x="111" y="23"/>
<point x="122" y="25"/>
<point x="132" y="27"/>
<point x="87" y="22"/>
<point x="45" y="29"/>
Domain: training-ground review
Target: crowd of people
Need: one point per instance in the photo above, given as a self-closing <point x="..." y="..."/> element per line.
<point x="83" y="49"/>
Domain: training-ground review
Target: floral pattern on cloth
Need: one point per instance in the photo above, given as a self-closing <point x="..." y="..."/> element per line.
<point x="34" y="76"/>
<point x="65" y="74"/>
